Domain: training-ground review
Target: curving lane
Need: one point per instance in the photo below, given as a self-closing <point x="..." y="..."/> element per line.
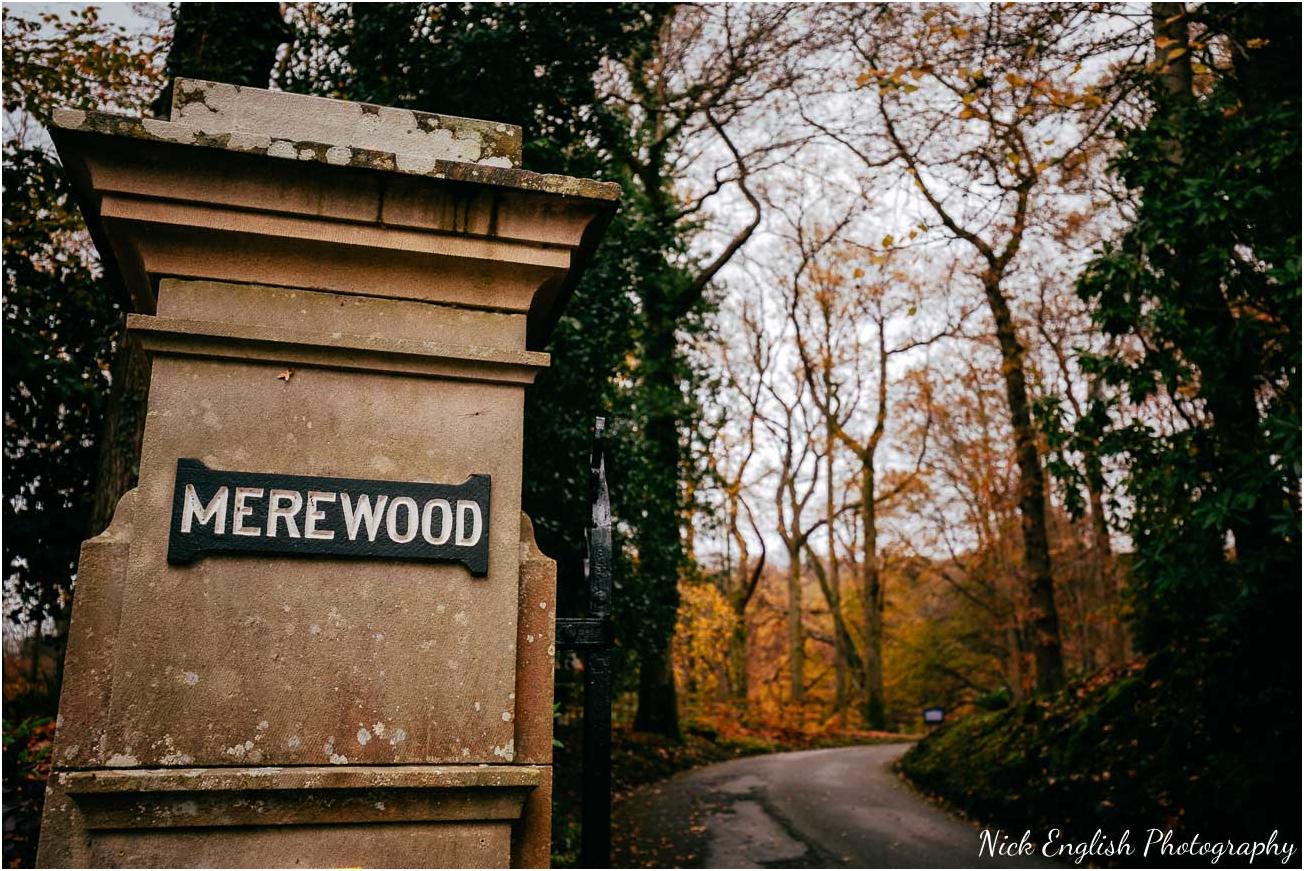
<point x="833" y="808"/>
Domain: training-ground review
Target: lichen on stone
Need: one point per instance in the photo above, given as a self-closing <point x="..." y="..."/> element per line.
<point x="493" y="170"/>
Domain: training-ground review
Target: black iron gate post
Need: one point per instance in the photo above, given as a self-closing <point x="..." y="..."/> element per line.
<point x="592" y="637"/>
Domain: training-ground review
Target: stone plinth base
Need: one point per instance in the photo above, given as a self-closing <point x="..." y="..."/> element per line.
<point x="356" y="816"/>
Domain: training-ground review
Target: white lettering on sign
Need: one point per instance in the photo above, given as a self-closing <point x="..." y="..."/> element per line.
<point x="277" y="511"/>
<point x="243" y="509"/>
<point x="404" y="519"/>
<point x="465" y="537"/>
<point x="391" y="520"/>
<point x="363" y="512"/>
<point x="215" y="510"/>
<point x="256" y="512"/>
<point x="315" y="515"/>
<point x="445" y="521"/>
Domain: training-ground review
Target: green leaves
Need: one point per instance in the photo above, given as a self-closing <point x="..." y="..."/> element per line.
<point x="60" y="327"/>
<point x="1202" y="299"/>
<point x="61" y="323"/>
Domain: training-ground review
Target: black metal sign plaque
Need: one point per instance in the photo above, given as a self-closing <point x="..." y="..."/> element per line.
<point x="298" y="515"/>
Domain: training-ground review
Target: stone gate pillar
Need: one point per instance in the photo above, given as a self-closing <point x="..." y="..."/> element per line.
<point x="318" y="632"/>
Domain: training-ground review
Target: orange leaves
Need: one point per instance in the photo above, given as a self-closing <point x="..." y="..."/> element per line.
<point x="871" y="75"/>
<point x="895" y="78"/>
<point x="1169" y="47"/>
<point x="705" y="620"/>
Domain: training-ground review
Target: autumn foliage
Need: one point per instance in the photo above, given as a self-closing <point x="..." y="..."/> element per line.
<point x="951" y="354"/>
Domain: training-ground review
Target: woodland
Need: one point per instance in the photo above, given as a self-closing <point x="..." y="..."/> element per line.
<point x="950" y="354"/>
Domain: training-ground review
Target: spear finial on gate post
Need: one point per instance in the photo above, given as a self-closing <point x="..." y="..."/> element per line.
<point x="599" y="561"/>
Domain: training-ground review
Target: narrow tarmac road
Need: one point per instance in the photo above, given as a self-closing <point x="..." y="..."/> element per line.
<point x="840" y="808"/>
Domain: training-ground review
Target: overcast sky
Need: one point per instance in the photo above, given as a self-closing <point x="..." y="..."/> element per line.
<point x="758" y="274"/>
<point x="133" y="16"/>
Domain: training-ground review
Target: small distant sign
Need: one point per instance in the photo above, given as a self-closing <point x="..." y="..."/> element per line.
<point x="934" y="716"/>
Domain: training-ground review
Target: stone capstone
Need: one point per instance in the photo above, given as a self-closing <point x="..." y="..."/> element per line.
<point x="216" y="108"/>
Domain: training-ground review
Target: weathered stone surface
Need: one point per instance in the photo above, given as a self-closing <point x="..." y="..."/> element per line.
<point x="84" y="699"/>
<point x="208" y="817"/>
<point x="487" y="238"/>
<point x="177" y="133"/>
<point x="354" y="314"/>
<point x="536" y="650"/>
<point x="276" y="779"/>
<point x="331" y="313"/>
<point x="531" y="841"/>
<point x="213" y="107"/>
<point x="281" y="661"/>
<point x="446" y="845"/>
<point x="335" y="350"/>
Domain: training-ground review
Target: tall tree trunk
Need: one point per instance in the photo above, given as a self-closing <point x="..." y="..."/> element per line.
<point x="1170" y="27"/>
<point x="234" y="43"/>
<point x="1042" y="617"/>
<point x="796" y="637"/>
<point x="738" y="676"/>
<point x="658" y="710"/>
<point x="1083" y="598"/>
<point x="855" y="666"/>
<point x="1107" y="581"/>
<point x="747" y="576"/>
<point x="1015" y="662"/>
<point x="834" y="582"/>
<point x="660" y="547"/>
<point x="124" y="427"/>
<point x="874" y="710"/>
<point x="737" y="595"/>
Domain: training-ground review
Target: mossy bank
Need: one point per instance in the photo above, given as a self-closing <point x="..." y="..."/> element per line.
<point x="1158" y="744"/>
